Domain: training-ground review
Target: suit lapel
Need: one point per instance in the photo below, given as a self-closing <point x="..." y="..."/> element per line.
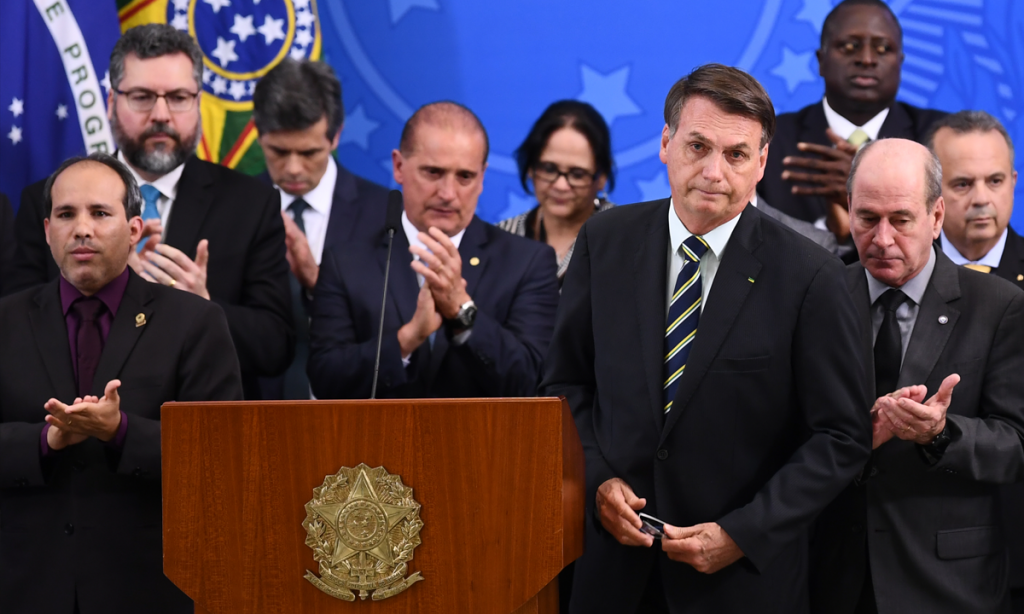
<point x="124" y="331"/>
<point x="897" y="124"/>
<point x="930" y="335"/>
<point x="192" y="203"/>
<point x="650" y="275"/>
<point x="343" y="216"/>
<point x="51" y="334"/>
<point x="402" y="284"/>
<point x="728" y="293"/>
<point x="1012" y="263"/>
<point x="814" y="125"/>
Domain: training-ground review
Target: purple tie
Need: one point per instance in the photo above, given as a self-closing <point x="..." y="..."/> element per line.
<point x="90" y="341"/>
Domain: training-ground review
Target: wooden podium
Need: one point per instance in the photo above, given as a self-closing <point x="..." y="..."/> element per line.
<point x="500" y="482"/>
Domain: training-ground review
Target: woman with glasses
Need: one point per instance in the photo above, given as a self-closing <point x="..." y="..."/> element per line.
<point x="567" y="157"/>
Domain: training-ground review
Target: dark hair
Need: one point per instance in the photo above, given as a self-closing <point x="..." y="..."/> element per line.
<point x="154" y="40"/>
<point x="579" y="116"/>
<point x="932" y="175"/>
<point x="965" y="122"/>
<point x="730" y="89"/>
<point x="830" y="20"/>
<point x="132" y="200"/>
<point x="294" y="95"/>
<point x="441" y="113"/>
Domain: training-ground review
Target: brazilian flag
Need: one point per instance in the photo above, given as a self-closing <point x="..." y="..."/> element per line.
<point x="241" y="41"/>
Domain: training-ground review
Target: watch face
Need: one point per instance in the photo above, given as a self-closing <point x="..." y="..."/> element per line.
<point x="467" y="315"/>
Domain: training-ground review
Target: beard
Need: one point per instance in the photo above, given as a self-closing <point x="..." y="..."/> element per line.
<point x="161" y="159"/>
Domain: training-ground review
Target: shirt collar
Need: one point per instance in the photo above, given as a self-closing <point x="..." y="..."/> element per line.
<point x="845" y="128"/>
<point x="320" y="197"/>
<point x="412" y="234"/>
<point x="914" y="288"/>
<point x="166" y="184"/>
<point x="716" y="239"/>
<point x="992" y="258"/>
<point x="111" y="294"/>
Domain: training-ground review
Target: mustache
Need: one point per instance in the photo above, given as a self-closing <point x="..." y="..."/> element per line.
<point x="161" y="128"/>
<point x="984" y="211"/>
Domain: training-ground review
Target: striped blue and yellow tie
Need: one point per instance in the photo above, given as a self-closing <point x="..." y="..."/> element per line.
<point x="683" y="315"/>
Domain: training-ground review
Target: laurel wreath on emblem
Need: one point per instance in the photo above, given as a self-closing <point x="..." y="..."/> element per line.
<point x="363" y="525"/>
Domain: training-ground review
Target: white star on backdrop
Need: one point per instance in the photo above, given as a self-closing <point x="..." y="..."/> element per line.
<point x="297" y="53"/>
<point x="206" y="77"/>
<point x="657" y="187"/>
<point x="251" y="87"/>
<point x="220" y="85"/>
<point x="181" y="5"/>
<point x="517" y="204"/>
<point x="62" y="111"/>
<point x="607" y="93"/>
<point x="794" y="68"/>
<point x="305" y="19"/>
<point x="301" y="5"/>
<point x="814" y="13"/>
<point x="106" y="81"/>
<point x="180" y="21"/>
<point x="243" y="27"/>
<point x="217" y="5"/>
<point x="237" y="89"/>
<point x="358" y="128"/>
<point x="225" y="52"/>
<point x="303" y="38"/>
<point x="272" y="29"/>
<point x="17" y="107"/>
<point x="14" y="135"/>
<point x="400" y="7"/>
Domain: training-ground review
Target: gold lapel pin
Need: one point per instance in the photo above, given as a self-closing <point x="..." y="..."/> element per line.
<point x="750" y="279"/>
<point x="140" y="320"/>
<point x="474" y="261"/>
<point x="1020" y="277"/>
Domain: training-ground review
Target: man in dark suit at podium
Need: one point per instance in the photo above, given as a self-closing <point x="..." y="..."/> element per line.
<point x="470" y="307"/>
<point x="299" y="113"/>
<point x="209" y="230"/>
<point x="978" y="180"/>
<point x="860" y="59"/>
<point x="96" y="352"/>
<point x="736" y="423"/>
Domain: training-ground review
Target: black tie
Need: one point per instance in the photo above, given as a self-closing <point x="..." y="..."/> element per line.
<point x="89" y="341"/>
<point x="298" y="207"/>
<point x="888" y="344"/>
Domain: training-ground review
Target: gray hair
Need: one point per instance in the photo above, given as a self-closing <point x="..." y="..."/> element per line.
<point x="965" y="122"/>
<point x="294" y="95"/>
<point x="154" y="40"/>
<point x="932" y="175"/>
<point x="132" y="200"/>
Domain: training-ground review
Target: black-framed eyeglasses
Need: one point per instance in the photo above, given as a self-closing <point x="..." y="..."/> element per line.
<point x="142" y="100"/>
<point x="577" y="177"/>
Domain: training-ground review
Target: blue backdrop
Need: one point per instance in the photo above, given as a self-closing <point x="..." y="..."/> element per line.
<point x="509" y="60"/>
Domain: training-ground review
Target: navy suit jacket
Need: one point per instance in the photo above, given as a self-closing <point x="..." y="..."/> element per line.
<point x="514" y="285"/>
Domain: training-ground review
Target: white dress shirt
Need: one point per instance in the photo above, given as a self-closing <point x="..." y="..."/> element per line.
<point x="717" y="240"/>
<point x="316" y="217"/>
<point x="167" y="185"/>
<point x="845" y="128"/>
<point x="992" y="258"/>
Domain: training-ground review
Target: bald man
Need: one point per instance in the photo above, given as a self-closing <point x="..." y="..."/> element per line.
<point x="470" y="308"/>
<point x="919" y="530"/>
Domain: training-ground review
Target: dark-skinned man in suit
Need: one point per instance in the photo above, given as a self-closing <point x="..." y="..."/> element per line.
<point x="709" y="355"/>
<point x="86" y="361"/>
<point x="919" y="530"/>
<point x="208" y="230"/>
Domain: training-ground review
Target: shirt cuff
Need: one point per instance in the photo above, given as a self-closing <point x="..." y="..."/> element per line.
<point x="463" y="337"/>
<point x="122" y="431"/>
<point x="406" y="360"/>
<point x="44" y="446"/>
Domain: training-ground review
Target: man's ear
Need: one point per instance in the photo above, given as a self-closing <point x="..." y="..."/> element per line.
<point x="665" y="138"/>
<point x="46" y="229"/>
<point x="397" y="165"/>
<point x="337" y="138"/>
<point x="135" y="227"/>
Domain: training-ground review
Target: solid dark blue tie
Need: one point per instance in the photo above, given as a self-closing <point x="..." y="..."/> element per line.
<point x="683" y="315"/>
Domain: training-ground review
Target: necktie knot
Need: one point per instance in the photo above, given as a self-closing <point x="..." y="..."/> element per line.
<point x="892" y="299"/>
<point x="858" y="138"/>
<point x="298" y="207"/>
<point x="88" y="309"/>
<point x="695" y="247"/>
<point x="981" y="268"/>
<point x="149" y="196"/>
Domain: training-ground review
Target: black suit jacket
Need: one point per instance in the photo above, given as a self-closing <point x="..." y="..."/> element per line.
<point x="247" y="274"/>
<point x="808" y="125"/>
<point x="933" y="532"/>
<point x="513" y="284"/>
<point x="88" y="519"/>
<point x="767" y="426"/>
<point x="6" y="242"/>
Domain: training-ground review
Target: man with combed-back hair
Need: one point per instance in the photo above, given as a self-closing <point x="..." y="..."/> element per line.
<point x="208" y="229"/>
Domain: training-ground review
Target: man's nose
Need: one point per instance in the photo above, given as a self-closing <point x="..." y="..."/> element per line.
<point x="293" y="165"/>
<point x="446" y="188"/>
<point x="713" y="168"/>
<point x="160" y="111"/>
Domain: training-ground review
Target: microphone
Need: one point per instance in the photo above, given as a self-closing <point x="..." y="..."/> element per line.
<point x="392" y="222"/>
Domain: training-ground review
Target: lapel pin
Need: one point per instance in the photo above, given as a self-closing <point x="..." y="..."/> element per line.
<point x="1020" y="277"/>
<point x="943" y="319"/>
<point x="140" y="320"/>
<point x="474" y="261"/>
<point x="750" y="279"/>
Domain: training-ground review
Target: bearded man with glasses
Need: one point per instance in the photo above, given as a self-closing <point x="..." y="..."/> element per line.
<point x="208" y="230"/>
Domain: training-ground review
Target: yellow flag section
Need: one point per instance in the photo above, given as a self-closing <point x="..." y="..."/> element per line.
<point x="241" y="41"/>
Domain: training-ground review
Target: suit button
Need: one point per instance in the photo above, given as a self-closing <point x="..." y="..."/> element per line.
<point x="874" y="471"/>
<point x="662" y="454"/>
<point x="137" y="473"/>
<point x="69" y="529"/>
<point x="78" y="465"/>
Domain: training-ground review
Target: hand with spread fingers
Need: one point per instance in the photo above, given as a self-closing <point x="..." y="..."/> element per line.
<point x="171" y="267"/>
<point x="617" y="507"/>
<point x="152" y="233"/>
<point x="86" y="417"/>
<point x="828" y="176"/>
<point x="300" y="257"/>
<point x="880" y="431"/>
<point x="59" y="435"/>
<point x="705" y="547"/>
<point x="441" y="268"/>
<point x="912" y="420"/>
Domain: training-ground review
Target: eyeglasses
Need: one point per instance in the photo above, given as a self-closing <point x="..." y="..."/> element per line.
<point x="577" y="177"/>
<point x="142" y="101"/>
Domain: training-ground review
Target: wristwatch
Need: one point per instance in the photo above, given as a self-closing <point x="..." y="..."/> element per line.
<point x="934" y="449"/>
<point x="465" y="318"/>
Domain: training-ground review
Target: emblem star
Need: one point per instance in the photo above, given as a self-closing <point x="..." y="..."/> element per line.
<point x="305" y="19"/>
<point x="106" y="81"/>
<point x="237" y="89"/>
<point x="181" y="5"/>
<point x="180" y="22"/>
<point x="272" y="29"/>
<point x="303" y="38"/>
<point x="794" y="68"/>
<point x="297" y="53"/>
<point x="14" y="135"/>
<point x="358" y="128"/>
<point x="17" y="107"/>
<point x="219" y="85"/>
<point x="62" y="112"/>
<point x="362" y="490"/>
<point x="656" y="188"/>
<point x="607" y="92"/>
<point x="225" y="52"/>
<point x="243" y="27"/>
<point x="217" y="5"/>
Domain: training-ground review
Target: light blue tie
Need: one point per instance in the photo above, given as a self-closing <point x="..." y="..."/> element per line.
<point x="149" y="211"/>
<point x="683" y="316"/>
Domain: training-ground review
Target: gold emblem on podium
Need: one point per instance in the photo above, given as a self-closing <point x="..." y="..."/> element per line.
<point x="363" y="526"/>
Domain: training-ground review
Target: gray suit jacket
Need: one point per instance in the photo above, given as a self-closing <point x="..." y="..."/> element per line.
<point x="823" y="238"/>
<point x="933" y="532"/>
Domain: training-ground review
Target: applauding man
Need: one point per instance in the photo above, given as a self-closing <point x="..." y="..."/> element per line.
<point x="85" y="363"/>
<point x="470" y="308"/>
